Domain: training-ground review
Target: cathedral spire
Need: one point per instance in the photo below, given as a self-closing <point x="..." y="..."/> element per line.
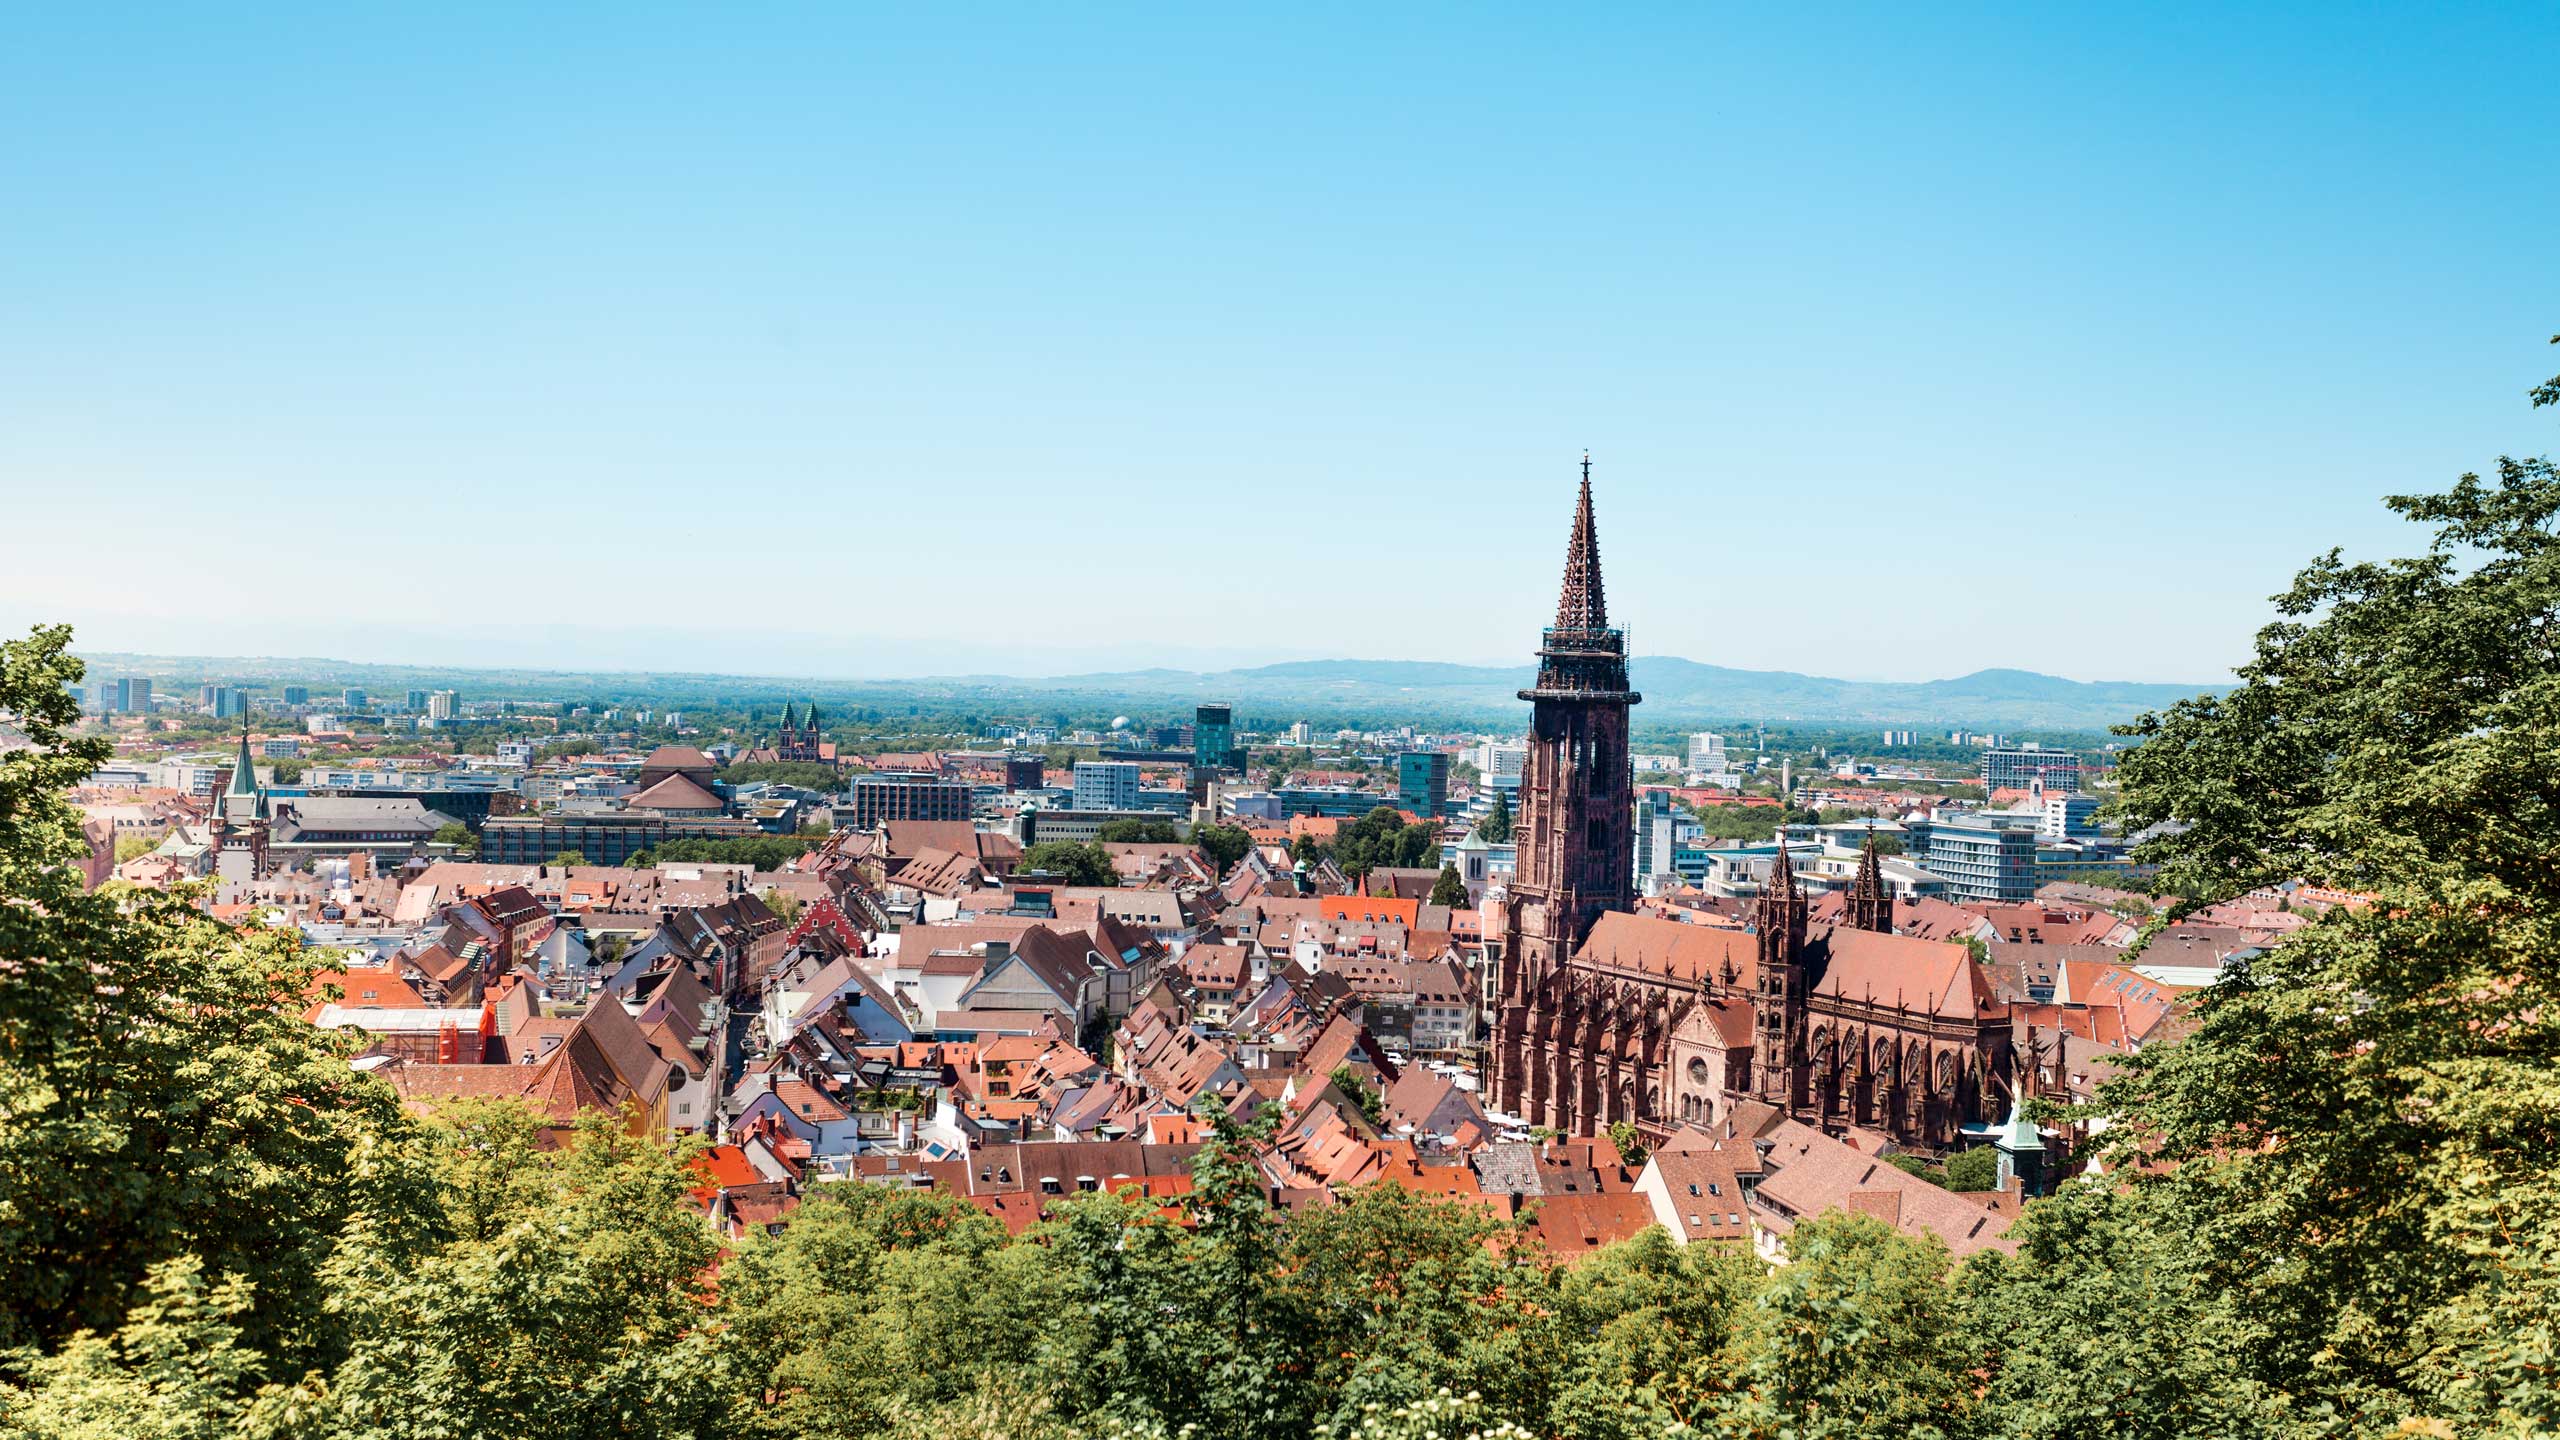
<point x="1870" y="903"/>
<point x="1782" y="879"/>
<point x="1582" y="609"/>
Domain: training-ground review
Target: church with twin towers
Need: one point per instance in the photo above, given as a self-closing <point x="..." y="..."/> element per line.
<point x="1608" y="1016"/>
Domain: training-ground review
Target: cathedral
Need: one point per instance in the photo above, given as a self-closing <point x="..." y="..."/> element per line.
<point x="1609" y="1016"/>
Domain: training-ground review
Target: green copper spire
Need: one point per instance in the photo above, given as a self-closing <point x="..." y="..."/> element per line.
<point x="244" y="774"/>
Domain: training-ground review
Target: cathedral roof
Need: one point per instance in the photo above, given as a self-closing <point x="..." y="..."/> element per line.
<point x="1651" y="945"/>
<point x="1929" y="977"/>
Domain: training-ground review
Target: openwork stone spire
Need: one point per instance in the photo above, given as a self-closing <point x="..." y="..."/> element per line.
<point x="1870" y="902"/>
<point x="1583" y="609"/>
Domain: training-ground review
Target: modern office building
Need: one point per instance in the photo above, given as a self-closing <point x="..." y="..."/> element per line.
<point x="352" y="700"/>
<point x="1328" y="800"/>
<point x="133" y="696"/>
<point x="1422" y="782"/>
<point x="2071" y="816"/>
<point x="1106" y="785"/>
<point x="230" y="702"/>
<point x="2003" y="857"/>
<point x="1213" y="738"/>
<point x="607" y="838"/>
<point x="872" y="799"/>
<point x="1706" y="751"/>
<point x="417" y="700"/>
<point x="1078" y="826"/>
<point x="2019" y="768"/>
<point x="297" y="694"/>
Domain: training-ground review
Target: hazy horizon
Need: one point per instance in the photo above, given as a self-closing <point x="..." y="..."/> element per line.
<point x="1208" y="665"/>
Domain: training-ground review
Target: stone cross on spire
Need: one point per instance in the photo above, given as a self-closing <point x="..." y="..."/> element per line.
<point x="1582" y="609"/>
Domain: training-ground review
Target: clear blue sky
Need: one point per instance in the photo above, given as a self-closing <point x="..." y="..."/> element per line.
<point x="853" y="341"/>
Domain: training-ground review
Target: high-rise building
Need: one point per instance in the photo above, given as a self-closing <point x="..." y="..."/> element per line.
<point x="1106" y="785"/>
<point x="895" y="796"/>
<point x="1706" y="752"/>
<point x="418" y="700"/>
<point x="2021" y="768"/>
<point x="1213" y="737"/>
<point x="207" y="695"/>
<point x="297" y="694"/>
<point x="133" y="696"/>
<point x="1422" y="782"/>
<point x="1575" y="830"/>
<point x="230" y="701"/>
<point x="352" y="699"/>
<point x="441" y="705"/>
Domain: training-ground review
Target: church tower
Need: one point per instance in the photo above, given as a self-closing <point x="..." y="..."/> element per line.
<point x="1575" y="830"/>
<point x="240" y="820"/>
<point x="1778" y="1004"/>
<point x="1870" y="901"/>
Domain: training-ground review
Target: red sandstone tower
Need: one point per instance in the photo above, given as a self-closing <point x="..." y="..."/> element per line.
<point x="1575" y="830"/>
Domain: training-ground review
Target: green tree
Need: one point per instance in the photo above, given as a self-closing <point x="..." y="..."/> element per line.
<point x="1223" y="844"/>
<point x="1136" y="832"/>
<point x="764" y="852"/>
<point x="1373" y="1106"/>
<point x="459" y="836"/>
<point x="2357" y="1129"/>
<point x="1630" y="1143"/>
<point x="175" y="1369"/>
<point x="1496" y="824"/>
<point x="2108" y="1324"/>
<point x="161" y="1098"/>
<point x="807" y="774"/>
<point x="1855" y="1336"/>
<point x="878" y="1301"/>
<point x="1382" y="838"/>
<point x="566" y="858"/>
<point x="570" y="1286"/>
<point x="1449" y="889"/>
<point x="1070" y="863"/>
<point x="1974" y="1170"/>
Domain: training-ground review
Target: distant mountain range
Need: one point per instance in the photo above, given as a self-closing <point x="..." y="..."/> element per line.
<point x="1675" y="691"/>
<point x="1673" y="688"/>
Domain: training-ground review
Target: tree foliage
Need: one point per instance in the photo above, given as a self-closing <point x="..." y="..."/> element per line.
<point x="1382" y="838"/>
<point x="807" y="774"/>
<point x="1449" y="889"/>
<point x="1223" y="844"/>
<point x="2358" y="1130"/>
<point x="1070" y="863"/>
<point x="764" y="852"/>
<point x="1496" y="824"/>
<point x="1132" y="831"/>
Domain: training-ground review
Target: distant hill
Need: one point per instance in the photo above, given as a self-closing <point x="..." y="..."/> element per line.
<point x="1673" y="688"/>
<point x="1676" y="691"/>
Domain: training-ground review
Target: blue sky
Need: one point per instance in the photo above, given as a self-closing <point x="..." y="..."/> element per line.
<point x="1907" y="340"/>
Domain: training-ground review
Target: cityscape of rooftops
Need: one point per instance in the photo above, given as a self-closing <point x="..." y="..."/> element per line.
<point x="1112" y="724"/>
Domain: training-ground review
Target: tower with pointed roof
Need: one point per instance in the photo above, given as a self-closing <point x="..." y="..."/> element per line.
<point x="240" y="819"/>
<point x="802" y="738"/>
<point x="1575" y="830"/>
<point x="1870" y="900"/>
